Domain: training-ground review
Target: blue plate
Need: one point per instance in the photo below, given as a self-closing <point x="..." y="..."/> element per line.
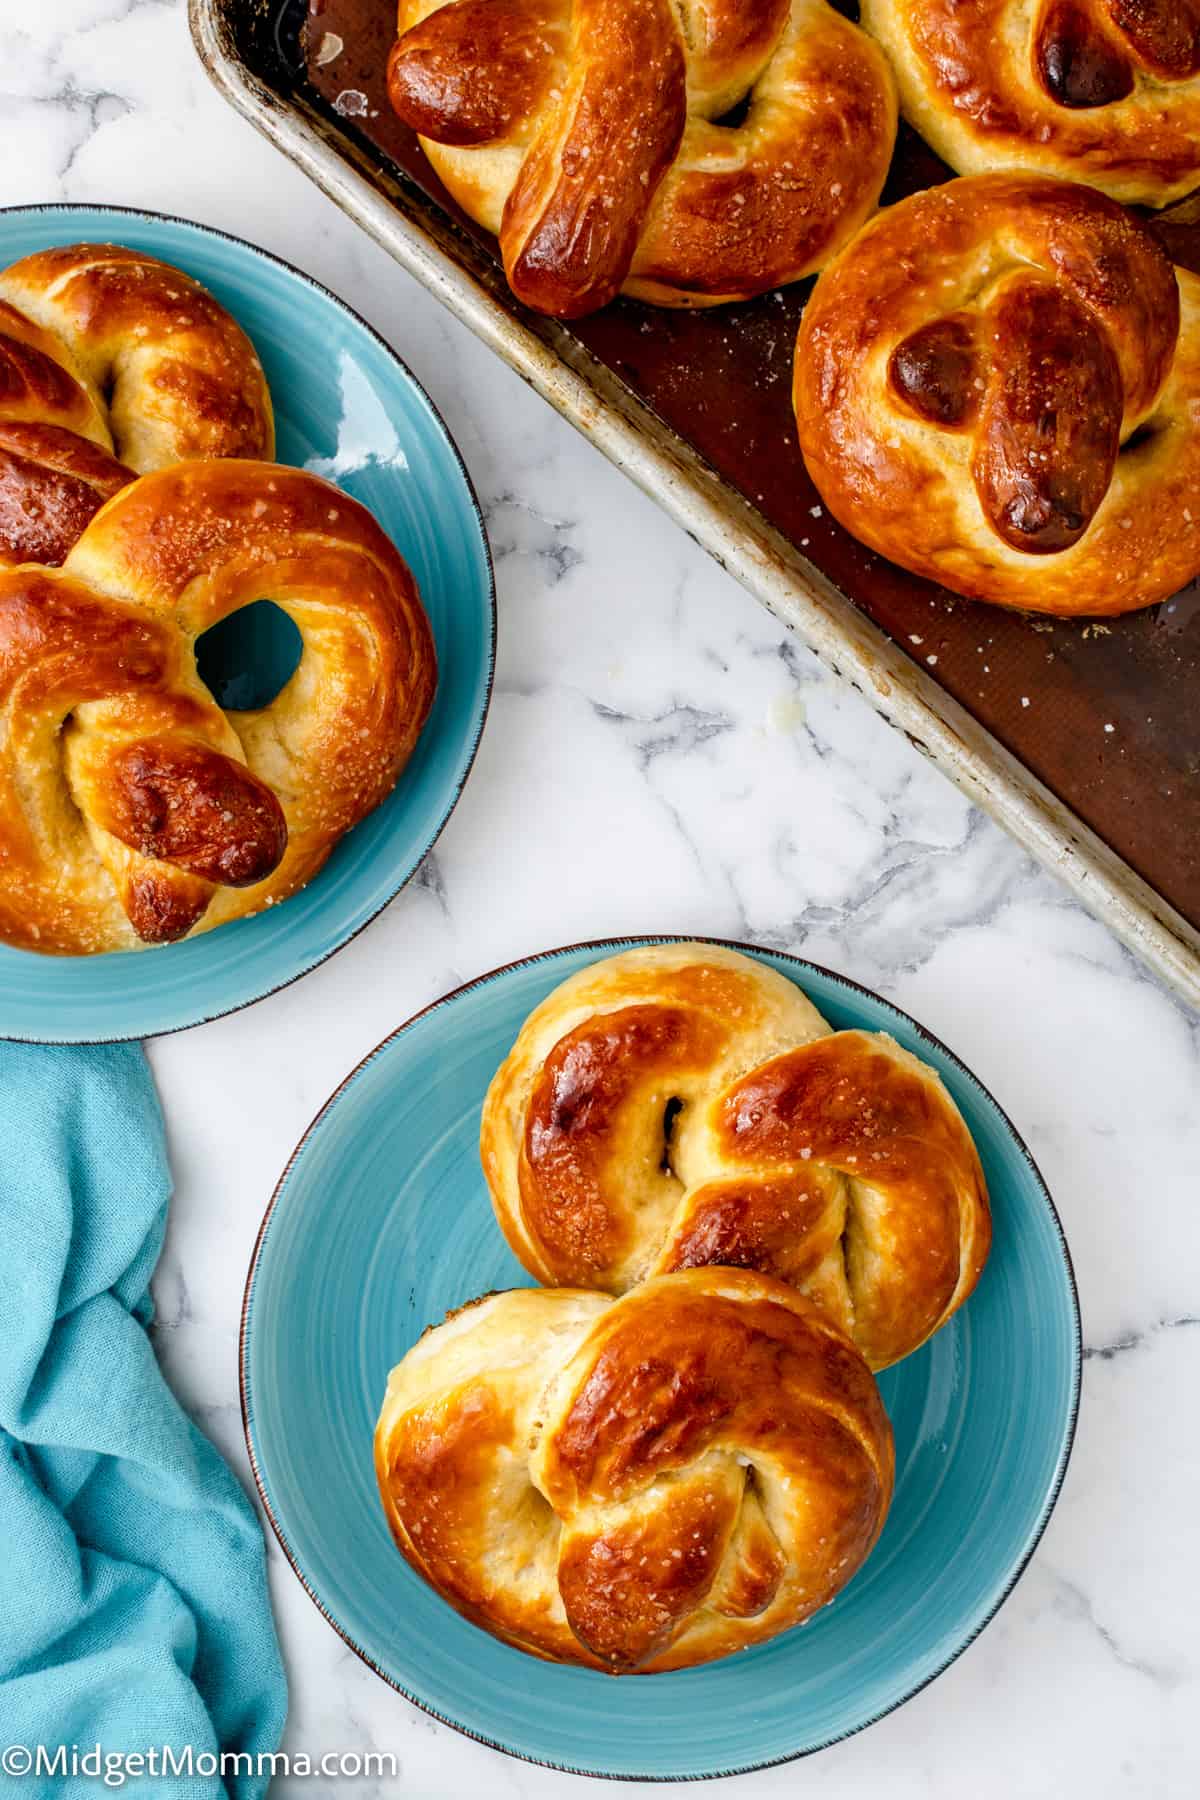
<point x="347" y="408"/>
<point x="382" y="1223"/>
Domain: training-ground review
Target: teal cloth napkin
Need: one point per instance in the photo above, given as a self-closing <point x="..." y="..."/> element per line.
<point x="133" y="1595"/>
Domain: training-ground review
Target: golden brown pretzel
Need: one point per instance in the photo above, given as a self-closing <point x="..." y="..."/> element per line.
<point x="1102" y="91"/>
<point x="684" y="1105"/>
<point x="111" y="364"/>
<point x="588" y="135"/>
<point x="997" y="386"/>
<point x="132" y="808"/>
<point x="642" y="1484"/>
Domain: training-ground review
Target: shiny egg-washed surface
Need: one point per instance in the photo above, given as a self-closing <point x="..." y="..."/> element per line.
<point x="381" y="1225"/>
<point x="642" y="1484"/>
<point x="683" y="1105"/>
<point x="133" y="809"/>
<point x="594" y="138"/>
<point x="112" y="364"/>
<point x="997" y="387"/>
<point x="1101" y="91"/>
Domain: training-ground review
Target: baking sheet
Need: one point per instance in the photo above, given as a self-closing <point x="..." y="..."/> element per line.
<point x="1084" y="739"/>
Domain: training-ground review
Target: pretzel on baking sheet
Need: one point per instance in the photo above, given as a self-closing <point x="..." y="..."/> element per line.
<point x="602" y="141"/>
<point x="1102" y="91"/>
<point x="997" y="386"/>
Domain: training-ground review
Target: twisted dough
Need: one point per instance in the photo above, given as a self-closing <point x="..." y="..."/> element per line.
<point x="104" y="349"/>
<point x="684" y="1105"/>
<point x="132" y="808"/>
<point x="1102" y="91"/>
<point x="643" y="1484"/>
<point x="589" y="136"/>
<point x="997" y="385"/>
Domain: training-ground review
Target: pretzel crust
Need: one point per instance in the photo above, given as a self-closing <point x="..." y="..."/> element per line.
<point x="1101" y="91"/>
<point x="112" y="364"/>
<point x="1041" y="449"/>
<point x="637" y="1485"/>
<point x="133" y="810"/>
<point x="590" y="137"/>
<point x="683" y="1105"/>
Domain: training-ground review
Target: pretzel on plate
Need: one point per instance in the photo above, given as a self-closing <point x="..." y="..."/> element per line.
<point x="133" y="810"/>
<point x="684" y="1105"/>
<point x="641" y="1484"/>
<point x="112" y="364"/>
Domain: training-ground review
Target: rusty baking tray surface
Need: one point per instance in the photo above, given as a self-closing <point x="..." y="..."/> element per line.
<point x="1083" y="739"/>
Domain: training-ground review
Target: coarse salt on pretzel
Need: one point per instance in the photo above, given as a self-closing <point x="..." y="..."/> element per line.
<point x="997" y="385"/>
<point x="598" y="139"/>
<point x="112" y="364"/>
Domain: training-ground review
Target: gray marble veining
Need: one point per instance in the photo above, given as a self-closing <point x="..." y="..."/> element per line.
<point x="660" y="756"/>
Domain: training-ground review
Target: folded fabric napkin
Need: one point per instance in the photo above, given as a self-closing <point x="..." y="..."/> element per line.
<point x="133" y="1597"/>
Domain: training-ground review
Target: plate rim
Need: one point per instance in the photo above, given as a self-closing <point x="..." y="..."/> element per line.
<point x="612" y="946"/>
<point x="36" y="208"/>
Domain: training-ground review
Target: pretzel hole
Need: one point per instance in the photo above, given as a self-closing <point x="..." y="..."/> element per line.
<point x="249" y="657"/>
<point x="1137" y="440"/>
<point x="736" y="117"/>
<point x="671" y="1112"/>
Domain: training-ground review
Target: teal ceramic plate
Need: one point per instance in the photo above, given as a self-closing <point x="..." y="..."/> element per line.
<point x="381" y="1224"/>
<point x="347" y="408"/>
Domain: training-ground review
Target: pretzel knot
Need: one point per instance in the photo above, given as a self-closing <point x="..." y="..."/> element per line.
<point x="642" y="1484"/>
<point x="133" y="810"/>
<point x="682" y="1106"/>
<point x="998" y="387"/>
<point x="602" y="141"/>
<point x="1105" y="91"/>
<point x="106" y="350"/>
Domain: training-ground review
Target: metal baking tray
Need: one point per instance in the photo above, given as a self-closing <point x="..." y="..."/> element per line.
<point x="1082" y="739"/>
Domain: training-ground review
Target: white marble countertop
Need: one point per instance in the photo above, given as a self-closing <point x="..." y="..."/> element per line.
<point x="660" y="756"/>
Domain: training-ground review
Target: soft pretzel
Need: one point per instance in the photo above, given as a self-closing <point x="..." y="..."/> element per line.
<point x="641" y="1484"/>
<point x="133" y="810"/>
<point x="594" y="137"/>
<point x="1102" y="91"/>
<point x="997" y="385"/>
<point x="112" y="364"/>
<point x="684" y="1105"/>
